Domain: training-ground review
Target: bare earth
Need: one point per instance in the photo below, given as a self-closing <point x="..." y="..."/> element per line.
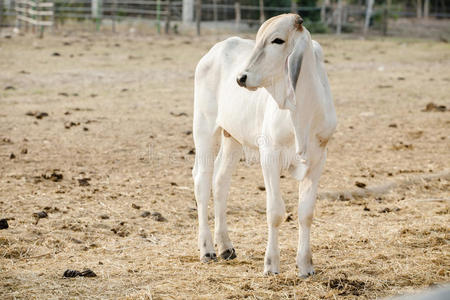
<point x="130" y="103"/>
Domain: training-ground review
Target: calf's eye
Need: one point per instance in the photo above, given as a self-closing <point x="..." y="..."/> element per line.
<point x="278" y="41"/>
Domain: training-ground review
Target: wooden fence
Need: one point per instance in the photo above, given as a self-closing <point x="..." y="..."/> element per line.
<point x="34" y="13"/>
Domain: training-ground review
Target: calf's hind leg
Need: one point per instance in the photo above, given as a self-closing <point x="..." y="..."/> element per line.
<point x="226" y="161"/>
<point x="205" y="141"/>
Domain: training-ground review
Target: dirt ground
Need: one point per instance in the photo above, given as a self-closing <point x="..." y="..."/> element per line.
<point x="116" y="143"/>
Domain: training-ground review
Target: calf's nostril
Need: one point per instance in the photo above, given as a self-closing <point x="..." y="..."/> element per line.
<point x="241" y="80"/>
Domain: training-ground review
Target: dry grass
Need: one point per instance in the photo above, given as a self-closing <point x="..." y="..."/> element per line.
<point x="389" y="240"/>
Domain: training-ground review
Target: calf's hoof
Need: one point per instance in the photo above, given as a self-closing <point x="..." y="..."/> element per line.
<point x="228" y="254"/>
<point x="306" y="274"/>
<point x="209" y="257"/>
<point x="270" y="273"/>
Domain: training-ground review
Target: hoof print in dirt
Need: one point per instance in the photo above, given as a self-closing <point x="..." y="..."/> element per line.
<point x="54" y="175"/>
<point x="39" y="215"/>
<point x="84" y="182"/>
<point x="228" y="254"/>
<point x="74" y="273"/>
<point x="4" y="224"/>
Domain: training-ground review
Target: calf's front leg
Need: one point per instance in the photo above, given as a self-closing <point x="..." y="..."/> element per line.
<point x="307" y="200"/>
<point x="270" y="163"/>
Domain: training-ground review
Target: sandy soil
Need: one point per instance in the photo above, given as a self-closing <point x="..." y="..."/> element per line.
<point x="118" y="131"/>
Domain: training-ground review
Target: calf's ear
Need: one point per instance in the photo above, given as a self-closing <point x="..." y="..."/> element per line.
<point x="293" y="67"/>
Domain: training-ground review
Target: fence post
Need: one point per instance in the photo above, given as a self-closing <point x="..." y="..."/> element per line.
<point x="17" y="19"/>
<point x="237" y="14"/>
<point x="368" y="15"/>
<point x="323" y="11"/>
<point x="385" y="19"/>
<point x="262" y="18"/>
<point x="198" y="14"/>
<point x="293" y="6"/>
<point x="95" y="12"/>
<point x="426" y="9"/>
<point x="419" y="8"/>
<point x="215" y="15"/>
<point x="114" y="15"/>
<point x="168" y="16"/>
<point x="339" y="18"/>
<point x="1" y="14"/>
<point x="158" y="16"/>
<point x="188" y="11"/>
<point x="39" y="19"/>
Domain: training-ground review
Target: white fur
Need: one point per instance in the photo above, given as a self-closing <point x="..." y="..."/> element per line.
<point x="287" y="125"/>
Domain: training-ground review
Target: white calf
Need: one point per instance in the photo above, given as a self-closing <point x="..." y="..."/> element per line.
<point x="285" y="113"/>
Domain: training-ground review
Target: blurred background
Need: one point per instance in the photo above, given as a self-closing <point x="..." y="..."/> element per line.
<point x="420" y="18"/>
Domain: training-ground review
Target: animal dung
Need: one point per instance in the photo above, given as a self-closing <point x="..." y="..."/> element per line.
<point x="155" y="216"/>
<point x="289" y="217"/>
<point x="178" y="114"/>
<point x="158" y="217"/>
<point x="37" y="114"/>
<point x="434" y="107"/>
<point x="145" y="214"/>
<point x="70" y="124"/>
<point x="74" y="273"/>
<point x="135" y="206"/>
<point x="39" y="215"/>
<point x="4" y="224"/>
<point x="54" y="175"/>
<point x="84" y="182"/>
<point x="360" y="184"/>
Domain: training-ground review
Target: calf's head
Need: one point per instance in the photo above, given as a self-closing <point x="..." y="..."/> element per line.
<point x="276" y="58"/>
